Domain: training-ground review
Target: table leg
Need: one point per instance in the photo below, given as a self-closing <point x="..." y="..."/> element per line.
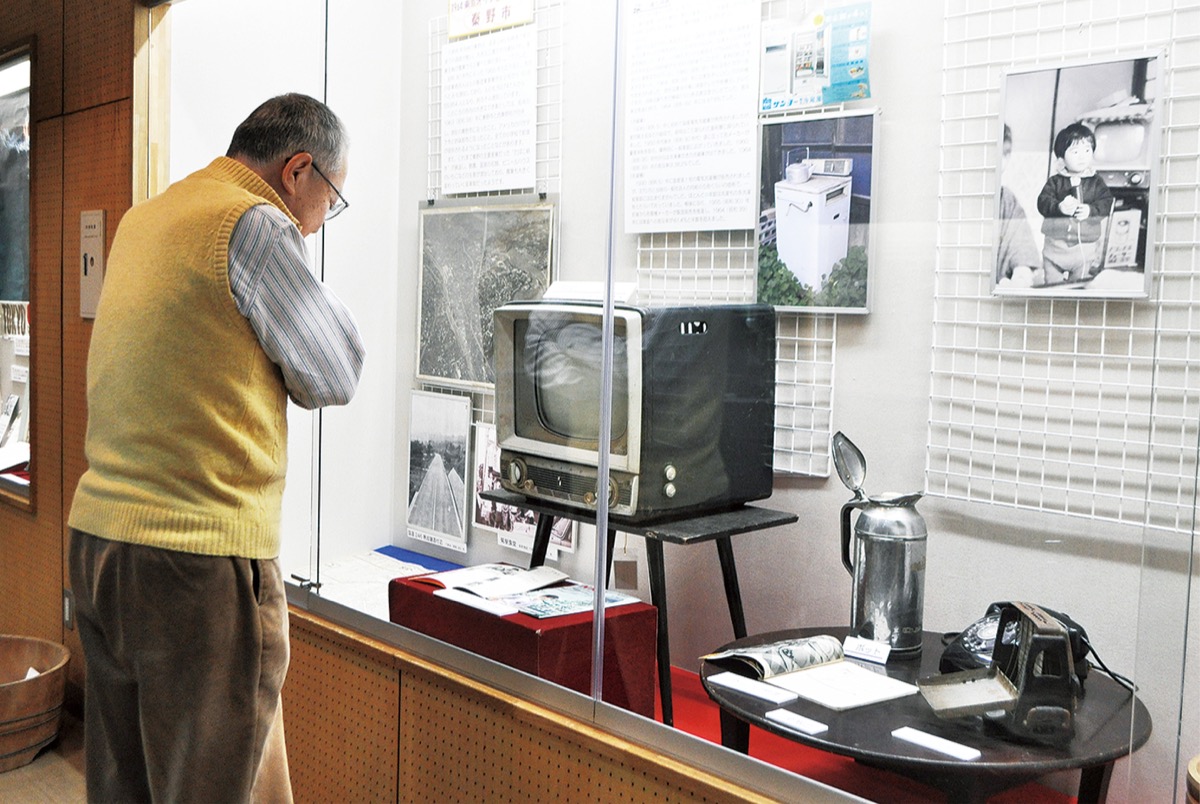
<point x="541" y="540"/>
<point x="612" y="542"/>
<point x="735" y="733"/>
<point x="733" y="593"/>
<point x="1093" y="783"/>
<point x="658" y="596"/>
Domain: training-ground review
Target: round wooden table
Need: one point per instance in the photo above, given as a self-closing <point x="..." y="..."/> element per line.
<point x="1110" y="723"/>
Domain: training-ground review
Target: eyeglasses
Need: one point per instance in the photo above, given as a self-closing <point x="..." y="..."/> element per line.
<point x="338" y="206"/>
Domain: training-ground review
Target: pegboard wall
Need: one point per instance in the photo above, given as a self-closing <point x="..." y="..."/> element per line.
<point x="342" y="745"/>
<point x="507" y="751"/>
<point x="1083" y="407"/>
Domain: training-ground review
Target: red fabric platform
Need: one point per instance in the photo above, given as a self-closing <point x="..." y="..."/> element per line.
<point x="558" y="649"/>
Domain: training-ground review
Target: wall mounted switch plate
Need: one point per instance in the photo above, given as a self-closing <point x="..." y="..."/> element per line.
<point x="91" y="269"/>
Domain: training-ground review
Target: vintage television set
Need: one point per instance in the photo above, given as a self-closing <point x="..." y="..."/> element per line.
<point x="693" y="405"/>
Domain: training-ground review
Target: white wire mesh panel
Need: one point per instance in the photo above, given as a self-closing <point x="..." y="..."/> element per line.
<point x="804" y="353"/>
<point x="1087" y="407"/>
<point x="548" y="19"/>
<point x="696" y="267"/>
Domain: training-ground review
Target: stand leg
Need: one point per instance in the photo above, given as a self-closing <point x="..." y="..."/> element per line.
<point x="612" y="542"/>
<point x="1093" y="783"/>
<point x="735" y="733"/>
<point x="658" y="596"/>
<point x="541" y="540"/>
<point x="733" y="593"/>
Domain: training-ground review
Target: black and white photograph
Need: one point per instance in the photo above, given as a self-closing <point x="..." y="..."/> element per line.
<point x="474" y="259"/>
<point x="503" y="518"/>
<point x="437" y="466"/>
<point x="490" y="515"/>
<point x="1076" y="176"/>
<point x="815" y="194"/>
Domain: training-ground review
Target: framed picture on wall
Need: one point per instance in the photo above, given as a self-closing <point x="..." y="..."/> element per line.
<point x="1076" y="179"/>
<point x="474" y="259"/>
<point x="439" y="425"/>
<point x="815" y="192"/>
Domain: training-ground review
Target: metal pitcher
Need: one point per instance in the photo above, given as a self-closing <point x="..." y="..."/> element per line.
<point x="885" y="556"/>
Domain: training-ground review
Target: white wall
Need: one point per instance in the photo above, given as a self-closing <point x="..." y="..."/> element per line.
<point x="358" y="254"/>
<point x="210" y="95"/>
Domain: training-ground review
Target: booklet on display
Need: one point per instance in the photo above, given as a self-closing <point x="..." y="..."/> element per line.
<point x="816" y="669"/>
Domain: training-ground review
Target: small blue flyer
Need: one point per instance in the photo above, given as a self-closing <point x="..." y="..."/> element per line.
<point x="819" y="62"/>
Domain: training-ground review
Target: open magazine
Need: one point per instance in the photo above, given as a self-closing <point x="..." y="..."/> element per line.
<point x="814" y="668"/>
<point x="777" y="658"/>
<point x="494" y="581"/>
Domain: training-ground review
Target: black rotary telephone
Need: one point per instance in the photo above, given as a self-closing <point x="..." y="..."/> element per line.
<point x="973" y="646"/>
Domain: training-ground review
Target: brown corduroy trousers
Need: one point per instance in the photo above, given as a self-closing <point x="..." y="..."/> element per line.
<point x="186" y="655"/>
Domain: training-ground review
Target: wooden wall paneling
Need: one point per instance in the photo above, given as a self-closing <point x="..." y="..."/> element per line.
<point x="452" y="738"/>
<point x="97" y="165"/>
<point x="463" y="741"/>
<point x="42" y="19"/>
<point x="30" y="542"/>
<point x="97" y="53"/>
<point x="96" y="175"/>
<point x="341" y="715"/>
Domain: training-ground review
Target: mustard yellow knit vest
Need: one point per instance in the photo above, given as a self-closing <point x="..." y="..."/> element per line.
<point x="187" y="429"/>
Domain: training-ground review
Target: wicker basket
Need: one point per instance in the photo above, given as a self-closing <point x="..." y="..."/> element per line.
<point x="30" y="709"/>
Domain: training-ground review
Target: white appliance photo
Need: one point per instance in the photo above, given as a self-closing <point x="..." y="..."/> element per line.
<point x="812" y="223"/>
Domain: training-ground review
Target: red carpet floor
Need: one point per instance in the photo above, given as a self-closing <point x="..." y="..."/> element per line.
<point x="697" y="715"/>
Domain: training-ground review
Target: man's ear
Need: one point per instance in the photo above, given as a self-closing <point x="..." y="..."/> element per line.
<point x="292" y="169"/>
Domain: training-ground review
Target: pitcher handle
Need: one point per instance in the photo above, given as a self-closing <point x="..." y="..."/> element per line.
<point x="846" y="509"/>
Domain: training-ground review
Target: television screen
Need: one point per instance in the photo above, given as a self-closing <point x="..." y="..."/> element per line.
<point x="564" y="362"/>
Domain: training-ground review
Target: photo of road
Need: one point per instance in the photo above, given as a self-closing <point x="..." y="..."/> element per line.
<point x="502" y="254"/>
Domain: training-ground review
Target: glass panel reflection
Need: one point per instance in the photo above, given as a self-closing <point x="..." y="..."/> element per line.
<point x="14" y="274"/>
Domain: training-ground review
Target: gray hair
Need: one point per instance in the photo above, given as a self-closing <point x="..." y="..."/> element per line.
<point x="288" y="124"/>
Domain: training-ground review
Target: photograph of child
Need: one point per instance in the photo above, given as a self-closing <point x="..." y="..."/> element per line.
<point x="1075" y="196"/>
<point x="1074" y="203"/>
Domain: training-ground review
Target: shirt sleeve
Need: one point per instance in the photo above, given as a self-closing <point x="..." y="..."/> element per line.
<point x="302" y="326"/>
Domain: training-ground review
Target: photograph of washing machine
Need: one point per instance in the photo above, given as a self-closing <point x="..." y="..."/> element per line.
<point x="812" y="225"/>
<point x="815" y="211"/>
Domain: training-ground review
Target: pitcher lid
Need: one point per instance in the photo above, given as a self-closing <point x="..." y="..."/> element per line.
<point x="850" y="463"/>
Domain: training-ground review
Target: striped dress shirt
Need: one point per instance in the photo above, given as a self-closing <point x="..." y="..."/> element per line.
<point x="303" y="327"/>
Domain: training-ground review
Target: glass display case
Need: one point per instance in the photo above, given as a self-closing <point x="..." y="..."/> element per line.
<point x="602" y="162"/>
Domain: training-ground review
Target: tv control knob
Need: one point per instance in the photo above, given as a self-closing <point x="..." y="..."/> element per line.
<point x="669" y="490"/>
<point x="516" y="472"/>
<point x="613" y="496"/>
<point x="669" y="472"/>
<point x="1135" y="179"/>
<point x="589" y="498"/>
